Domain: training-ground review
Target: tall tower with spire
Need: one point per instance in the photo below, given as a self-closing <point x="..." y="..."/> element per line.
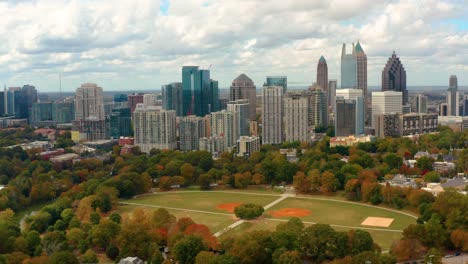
<point x="361" y="74"/>
<point x="394" y="77"/>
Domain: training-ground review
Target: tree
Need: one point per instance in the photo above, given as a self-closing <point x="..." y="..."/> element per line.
<point x="54" y="242"/>
<point x="288" y="257"/>
<point x="33" y="242"/>
<point x="89" y="257"/>
<point x="433" y="256"/>
<point x="241" y="180"/>
<point x="102" y="234"/>
<point x="301" y="182"/>
<point x="459" y="238"/>
<point x="205" y="181"/>
<point x="432" y="176"/>
<point x="424" y="163"/>
<point x="407" y="249"/>
<point x="360" y="241"/>
<point x="319" y="242"/>
<point x="364" y="257"/>
<point x="187" y="171"/>
<point x="165" y="183"/>
<point x="186" y="249"/>
<point x="328" y="181"/>
<point x="63" y="257"/>
<point x="251" y="247"/>
<point x="393" y="161"/>
<point x="248" y="211"/>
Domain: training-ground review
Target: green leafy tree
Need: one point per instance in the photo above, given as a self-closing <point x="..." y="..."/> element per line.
<point x="89" y="257"/>
<point x="248" y="211"/>
<point x="432" y="176"/>
<point x="187" y="248"/>
<point x="433" y="256"/>
<point x="63" y="257"/>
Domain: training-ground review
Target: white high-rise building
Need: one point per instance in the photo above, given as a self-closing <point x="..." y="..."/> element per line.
<point x="387" y="102"/>
<point x="349" y="94"/>
<point x="272" y="115"/>
<point x="225" y="124"/>
<point x="154" y="128"/>
<point x="421" y="104"/>
<point x="296" y="117"/>
<point x="242" y="106"/>
<point x="152" y="100"/>
<point x="89" y="102"/>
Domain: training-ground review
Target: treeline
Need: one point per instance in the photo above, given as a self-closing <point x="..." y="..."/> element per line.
<point x="65" y="233"/>
<point x="443" y="224"/>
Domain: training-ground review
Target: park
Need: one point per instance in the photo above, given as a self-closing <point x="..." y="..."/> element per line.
<point x="215" y="210"/>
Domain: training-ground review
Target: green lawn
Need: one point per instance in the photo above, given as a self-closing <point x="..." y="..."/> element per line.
<point x="382" y="238"/>
<point x="205" y="201"/>
<point x="341" y="213"/>
<point x="212" y="221"/>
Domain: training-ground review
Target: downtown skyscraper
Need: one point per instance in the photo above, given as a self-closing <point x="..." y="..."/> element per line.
<point x="200" y="93"/>
<point x="244" y="88"/>
<point x="453" y="97"/>
<point x="322" y="74"/>
<point x="394" y="77"/>
<point x="354" y="71"/>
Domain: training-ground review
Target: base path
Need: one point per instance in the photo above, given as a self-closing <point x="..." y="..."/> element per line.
<point x="268" y="206"/>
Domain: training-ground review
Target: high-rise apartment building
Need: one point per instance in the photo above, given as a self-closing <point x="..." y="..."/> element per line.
<point x="272" y="115"/>
<point x="133" y="100"/>
<point x="41" y="114"/>
<point x="89" y="102"/>
<point x="200" y="93"/>
<point x="453" y="97"/>
<point x="387" y="102"/>
<point x="244" y="88"/>
<point x="225" y="124"/>
<point x="152" y="100"/>
<point x="443" y="109"/>
<point x="318" y="107"/>
<point x="465" y="105"/>
<point x="242" y="107"/>
<point x="296" y="111"/>
<point x="394" y="77"/>
<point x="214" y="144"/>
<point x="191" y="129"/>
<point x="63" y="112"/>
<point x="248" y="145"/>
<point x="332" y="84"/>
<point x="277" y="81"/>
<point x="172" y="97"/>
<point x="120" y="122"/>
<point x="420" y="104"/>
<point x="154" y="128"/>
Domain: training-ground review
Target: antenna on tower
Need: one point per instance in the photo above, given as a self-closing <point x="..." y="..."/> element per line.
<point x="209" y="68"/>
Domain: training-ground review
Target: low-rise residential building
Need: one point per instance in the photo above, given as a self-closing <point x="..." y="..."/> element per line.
<point x="65" y="157"/>
<point x="397" y="125"/>
<point x="47" y="155"/>
<point x="443" y="167"/>
<point x="349" y="140"/>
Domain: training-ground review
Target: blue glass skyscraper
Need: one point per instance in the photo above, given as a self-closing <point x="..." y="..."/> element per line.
<point x="348" y="68"/>
<point x="200" y="93"/>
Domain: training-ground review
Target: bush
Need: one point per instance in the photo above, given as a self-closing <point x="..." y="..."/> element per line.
<point x="248" y="211"/>
<point x="112" y="252"/>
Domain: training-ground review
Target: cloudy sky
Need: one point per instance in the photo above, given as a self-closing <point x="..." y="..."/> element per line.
<point x="142" y="44"/>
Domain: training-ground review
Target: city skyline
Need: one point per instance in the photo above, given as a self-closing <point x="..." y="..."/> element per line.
<point x="145" y="47"/>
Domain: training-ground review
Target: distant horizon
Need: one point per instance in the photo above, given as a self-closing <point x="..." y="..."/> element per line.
<point x="438" y="88"/>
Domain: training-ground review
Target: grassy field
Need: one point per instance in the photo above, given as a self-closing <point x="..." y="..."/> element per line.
<point x="340" y="213"/>
<point x="382" y="238"/>
<point x="343" y="215"/>
<point x="205" y="201"/>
